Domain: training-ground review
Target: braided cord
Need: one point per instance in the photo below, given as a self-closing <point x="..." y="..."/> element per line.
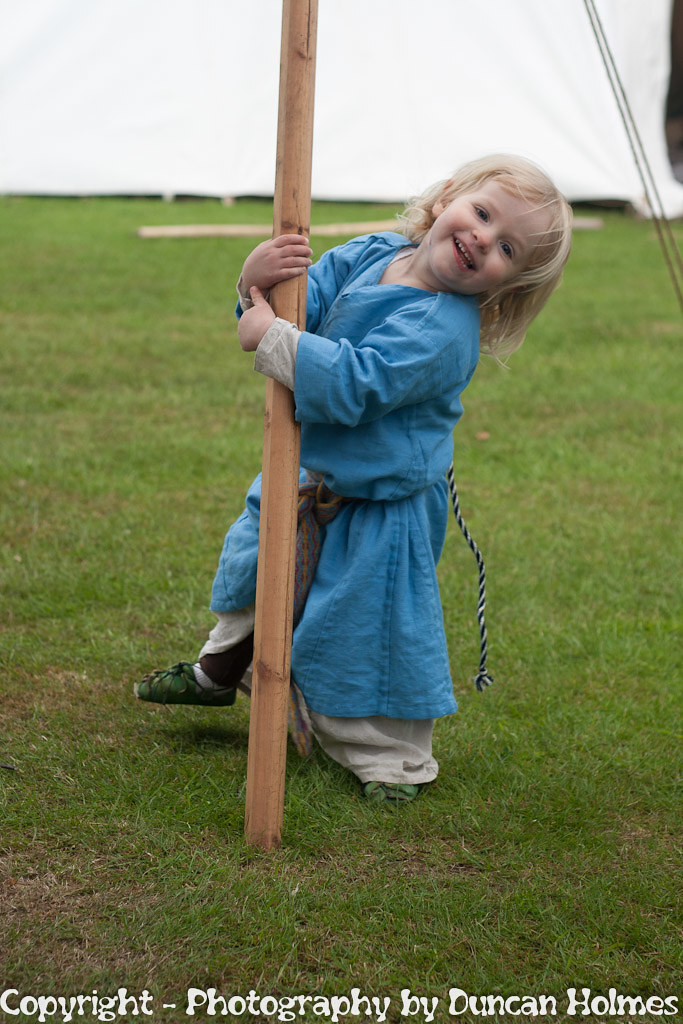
<point x="482" y="677"/>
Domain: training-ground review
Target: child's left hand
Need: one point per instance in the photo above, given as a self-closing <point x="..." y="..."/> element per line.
<point x="276" y="259"/>
<point x="254" y="322"/>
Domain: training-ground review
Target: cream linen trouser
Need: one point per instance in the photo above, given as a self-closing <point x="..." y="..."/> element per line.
<point x="375" y="749"/>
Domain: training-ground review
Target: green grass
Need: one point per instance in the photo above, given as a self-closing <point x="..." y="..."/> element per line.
<point x="545" y="856"/>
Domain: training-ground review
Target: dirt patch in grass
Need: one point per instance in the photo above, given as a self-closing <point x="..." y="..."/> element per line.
<point x="60" y="919"/>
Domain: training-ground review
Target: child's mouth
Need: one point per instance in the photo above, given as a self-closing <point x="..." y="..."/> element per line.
<point x="462" y="256"/>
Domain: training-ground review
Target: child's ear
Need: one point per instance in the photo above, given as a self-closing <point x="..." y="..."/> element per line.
<point x="443" y="201"/>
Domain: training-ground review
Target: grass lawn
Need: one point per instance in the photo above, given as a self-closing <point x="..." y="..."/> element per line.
<point x="544" y="857"/>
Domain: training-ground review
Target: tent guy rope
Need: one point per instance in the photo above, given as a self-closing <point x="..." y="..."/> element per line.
<point x="661" y="222"/>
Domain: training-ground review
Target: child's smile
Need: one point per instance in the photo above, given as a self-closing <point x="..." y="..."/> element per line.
<point x="462" y="256"/>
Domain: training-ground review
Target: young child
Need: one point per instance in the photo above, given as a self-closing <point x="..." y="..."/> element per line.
<point x="395" y="324"/>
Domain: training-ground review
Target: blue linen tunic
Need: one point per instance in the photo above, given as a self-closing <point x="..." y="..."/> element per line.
<point x="379" y="373"/>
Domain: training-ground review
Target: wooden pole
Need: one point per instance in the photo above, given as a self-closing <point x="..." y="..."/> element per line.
<point x="279" y="494"/>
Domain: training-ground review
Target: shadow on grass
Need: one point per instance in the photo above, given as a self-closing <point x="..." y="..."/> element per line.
<point x="205" y="737"/>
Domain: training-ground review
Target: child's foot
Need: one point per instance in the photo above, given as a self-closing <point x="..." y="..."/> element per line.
<point x="392" y="793"/>
<point x="179" y="685"/>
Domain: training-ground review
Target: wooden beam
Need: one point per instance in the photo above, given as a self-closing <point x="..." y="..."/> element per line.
<point x="279" y="496"/>
<point x="359" y="227"/>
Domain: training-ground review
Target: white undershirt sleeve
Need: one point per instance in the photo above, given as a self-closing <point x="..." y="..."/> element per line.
<point x="276" y="354"/>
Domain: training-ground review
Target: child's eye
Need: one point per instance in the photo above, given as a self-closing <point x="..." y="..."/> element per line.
<point x="507" y="249"/>
<point x="482" y="214"/>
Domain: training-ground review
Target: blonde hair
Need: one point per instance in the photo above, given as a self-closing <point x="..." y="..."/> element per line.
<point x="507" y="311"/>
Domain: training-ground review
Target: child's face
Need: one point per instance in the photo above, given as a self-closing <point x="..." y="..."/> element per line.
<point x="480" y="240"/>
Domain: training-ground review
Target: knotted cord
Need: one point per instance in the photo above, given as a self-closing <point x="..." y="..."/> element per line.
<point x="482" y="677"/>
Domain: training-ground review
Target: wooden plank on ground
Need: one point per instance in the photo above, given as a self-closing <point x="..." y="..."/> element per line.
<point x="259" y="230"/>
<point x="359" y="227"/>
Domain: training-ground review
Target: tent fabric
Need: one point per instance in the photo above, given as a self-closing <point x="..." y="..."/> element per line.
<point x="170" y="97"/>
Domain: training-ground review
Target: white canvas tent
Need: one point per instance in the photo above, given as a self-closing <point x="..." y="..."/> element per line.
<point x="140" y="97"/>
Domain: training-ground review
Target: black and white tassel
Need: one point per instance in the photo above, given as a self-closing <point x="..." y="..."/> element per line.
<point x="482" y="677"/>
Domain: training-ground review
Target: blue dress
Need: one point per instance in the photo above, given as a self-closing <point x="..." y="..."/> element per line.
<point x="379" y="373"/>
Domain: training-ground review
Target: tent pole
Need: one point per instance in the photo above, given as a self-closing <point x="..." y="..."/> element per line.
<point x="279" y="495"/>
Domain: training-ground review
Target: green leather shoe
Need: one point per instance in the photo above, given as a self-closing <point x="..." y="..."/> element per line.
<point x="178" y="685"/>
<point x="392" y="793"/>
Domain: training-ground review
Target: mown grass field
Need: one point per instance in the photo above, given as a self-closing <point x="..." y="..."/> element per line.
<point x="547" y="854"/>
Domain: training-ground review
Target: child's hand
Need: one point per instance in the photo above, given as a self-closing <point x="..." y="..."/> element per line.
<point x="254" y="322"/>
<point x="276" y="260"/>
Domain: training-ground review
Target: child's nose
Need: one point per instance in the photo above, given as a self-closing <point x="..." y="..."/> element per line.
<point x="482" y="238"/>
